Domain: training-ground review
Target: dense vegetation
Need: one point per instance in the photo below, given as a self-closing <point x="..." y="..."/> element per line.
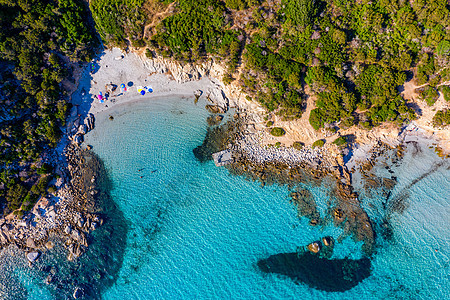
<point x="353" y="55"/>
<point x="37" y="41"/>
<point x="441" y="118"/>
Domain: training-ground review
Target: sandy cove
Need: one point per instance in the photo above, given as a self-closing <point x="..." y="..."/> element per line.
<point x="168" y="77"/>
<point x="57" y="214"/>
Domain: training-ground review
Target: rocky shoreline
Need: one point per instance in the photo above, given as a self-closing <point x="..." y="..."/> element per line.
<point x="291" y="167"/>
<point x="70" y="215"/>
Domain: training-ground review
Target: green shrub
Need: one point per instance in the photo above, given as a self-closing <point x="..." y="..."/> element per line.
<point x="298" y="145"/>
<point x="429" y="94"/>
<point x="277" y="131"/>
<point x="278" y="144"/>
<point x="45" y="169"/>
<point x="441" y="118"/>
<point x="138" y="43"/>
<point x="269" y="124"/>
<point x="227" y="78"/>
<point x="340" y="141"/>
<point x="445" y="90"/>
<point x="318" y="143"/>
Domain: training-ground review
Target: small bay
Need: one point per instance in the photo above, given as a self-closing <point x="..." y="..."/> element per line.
<point x="195" y="231"/>
<point x="177" y="228"/>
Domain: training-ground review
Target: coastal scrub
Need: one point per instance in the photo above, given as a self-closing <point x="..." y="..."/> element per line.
<point x="277" y="131"/>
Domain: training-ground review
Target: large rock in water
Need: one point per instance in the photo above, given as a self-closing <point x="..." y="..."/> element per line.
<point x="314" y="247"/>
<point x="30" y="243"/>
<point x="331" y="275"/>
<point x="82" y="129"/>
<point x="215" y="109"/>
<point x="32" y="256"/>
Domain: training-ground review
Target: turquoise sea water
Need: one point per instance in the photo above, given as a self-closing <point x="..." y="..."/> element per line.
<point x="193" y="231"/>
<point x="196" y="232"/>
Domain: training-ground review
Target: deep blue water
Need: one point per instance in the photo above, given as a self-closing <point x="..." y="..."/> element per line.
<point x="196" y="232"/>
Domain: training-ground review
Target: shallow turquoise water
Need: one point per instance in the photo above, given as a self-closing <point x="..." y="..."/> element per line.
<point x="196" y="232"/>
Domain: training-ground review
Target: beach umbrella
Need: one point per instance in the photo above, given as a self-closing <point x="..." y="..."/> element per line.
<point x="142" y="92"/>
<point x="122" y="86"/>
<point x="149" y="89"/>
<point x="139" y="89"/>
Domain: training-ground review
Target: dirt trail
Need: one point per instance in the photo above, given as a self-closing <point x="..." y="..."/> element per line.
<point x="158" y="17"/>
<point x="427" y="113"/>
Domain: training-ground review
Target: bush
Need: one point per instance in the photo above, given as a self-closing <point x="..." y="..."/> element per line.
<point x="445" y="90"/>
<point x="45" y="169"/>
<point x="340" y="141"/>
<point x="429" y="94"/>
<point x="318" y="143"/>
<point x="51" y="189"/>
<point x="138" y="43"/>
<point x="441" y="118"/>
<point x="269" y="124"/>
<point x="277" y="144"/>
<point x="277" y="131"/>
<point x="227" y="78"/>
<point x="298" y="145"/>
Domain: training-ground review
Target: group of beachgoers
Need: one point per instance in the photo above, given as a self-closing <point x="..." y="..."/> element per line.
<point x="111" y="87"/>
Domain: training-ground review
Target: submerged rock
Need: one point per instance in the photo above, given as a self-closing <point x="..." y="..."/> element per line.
<point x="49" y="245"/>
<point x="78" y="293"/>
<point x="215" y="109"/>
<point x="89" y="121"/>
<point x="331" y="275"/>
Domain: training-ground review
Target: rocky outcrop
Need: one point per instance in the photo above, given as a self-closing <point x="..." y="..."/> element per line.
<point x="184" y="72"/>
<point x="78" y="139"/>
<point x="89" y="122"/>
<point x="217" y="97"/>
<point x="314" y="247"/>
<point x="71" y="218"/>
<point x="81" y="129"/>
<point x="32" y="256"/>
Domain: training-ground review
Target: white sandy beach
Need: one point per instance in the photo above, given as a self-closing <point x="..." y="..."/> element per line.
<point x="118" y="68"/>
<point x="169" y="78"/>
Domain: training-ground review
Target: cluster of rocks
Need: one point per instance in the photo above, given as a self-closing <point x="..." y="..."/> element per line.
<point x="82" y="219"/>
<point x="291" y="166"/>
<point x="80" y="129"/>
<point x="317" y="246"/>
<point x="63" y="216"/>
<point x="249" y="145"/>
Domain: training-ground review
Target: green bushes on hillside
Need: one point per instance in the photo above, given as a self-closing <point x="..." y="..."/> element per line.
<point x="318" y="143"/>
<point x="441" y="118"/>
<point x="277" y="131"/>
<point x="37" y="42"/>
